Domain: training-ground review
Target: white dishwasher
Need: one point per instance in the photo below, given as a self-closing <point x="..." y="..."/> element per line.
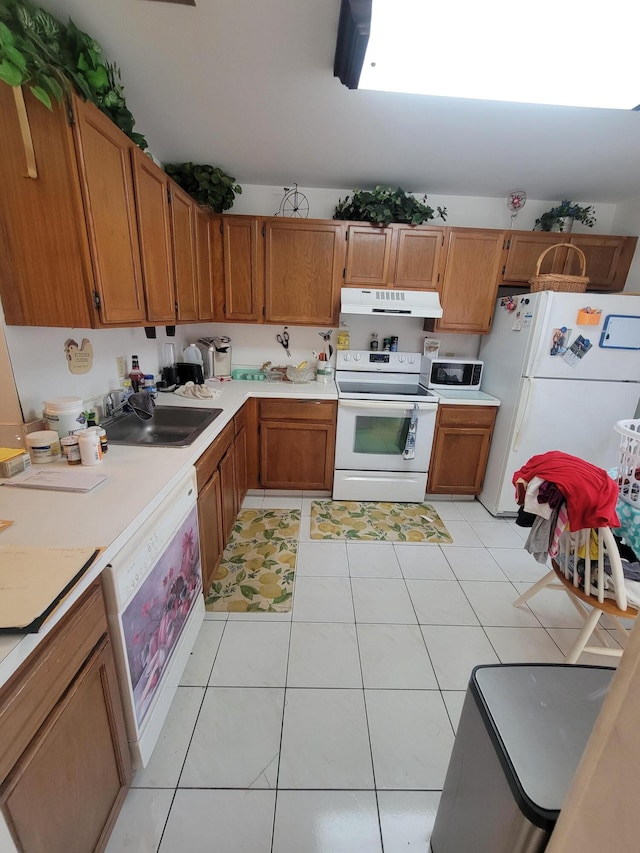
<point x="153" y="590"/>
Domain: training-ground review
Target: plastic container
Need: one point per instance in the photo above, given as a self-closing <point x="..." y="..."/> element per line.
<point x="71" y="449"/>
<point x="90" y="447"/>
<point x="44" y="446"/>
<point x="65" y="415"/>
<point x="374" y="343"/>
<point x="343" y="339"/>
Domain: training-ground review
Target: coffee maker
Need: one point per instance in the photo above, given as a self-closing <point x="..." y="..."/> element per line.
<point x="216" y="356"/>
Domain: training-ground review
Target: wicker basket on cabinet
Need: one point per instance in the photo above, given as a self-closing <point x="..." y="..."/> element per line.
<point x="559" y="281"/>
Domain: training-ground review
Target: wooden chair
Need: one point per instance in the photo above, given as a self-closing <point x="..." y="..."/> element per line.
<point x="587" y="594"/>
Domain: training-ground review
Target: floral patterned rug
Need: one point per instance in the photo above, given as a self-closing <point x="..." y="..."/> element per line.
<point x="376" y="520"/>
<point x="257" y="569"/>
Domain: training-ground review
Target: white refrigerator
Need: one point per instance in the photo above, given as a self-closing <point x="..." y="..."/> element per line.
<point x="558" y="401"/>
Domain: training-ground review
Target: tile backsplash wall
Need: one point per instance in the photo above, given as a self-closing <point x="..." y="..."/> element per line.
<point x="40" y="366"/>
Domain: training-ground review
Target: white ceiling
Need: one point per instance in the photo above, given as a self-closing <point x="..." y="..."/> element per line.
<point x="248" y="85"/>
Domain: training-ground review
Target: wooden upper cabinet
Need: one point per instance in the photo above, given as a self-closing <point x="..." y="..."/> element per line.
<point x="304" y="261"/>
<point x="243" y="274"/>
<point x="184" y="254"/>
<point x="420" y="255"/>
<point x="370" y="252"/>
<point x="204" y="265"/>
<point x="217" y="265"/>
<point x="470" y="285"/>
<point x="154" y="228"/>
<point x="45" y="268"/>
<point x="106" y="178"/>
<point x="525" y="248"/>
<point x="408" y="257"/>
<point x="608" y="260"/>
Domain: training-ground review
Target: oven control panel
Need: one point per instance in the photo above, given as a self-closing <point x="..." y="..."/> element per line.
<point x="392" y="362"/>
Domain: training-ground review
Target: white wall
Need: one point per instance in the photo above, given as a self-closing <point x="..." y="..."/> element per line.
<point x="38" y="357"/>
<point x="41" y="372"/>
<point x="627" y="221"/>
<point x="462" y="211"/>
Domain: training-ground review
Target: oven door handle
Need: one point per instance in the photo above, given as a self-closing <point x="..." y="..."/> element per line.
<point x="387" y="404"/>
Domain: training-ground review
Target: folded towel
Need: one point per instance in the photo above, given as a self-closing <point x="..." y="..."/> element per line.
<point x="196" y="392"/>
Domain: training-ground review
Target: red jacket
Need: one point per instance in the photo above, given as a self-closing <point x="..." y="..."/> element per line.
<point x="590" y="493"/>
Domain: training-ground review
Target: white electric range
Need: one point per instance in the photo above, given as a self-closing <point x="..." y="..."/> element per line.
<point x="386" y="423"/>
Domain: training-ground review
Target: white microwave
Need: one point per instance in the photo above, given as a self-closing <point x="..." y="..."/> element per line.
<point x="450" y="373"/>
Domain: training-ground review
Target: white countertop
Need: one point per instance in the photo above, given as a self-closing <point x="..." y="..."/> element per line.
<point x="465" y="398"/>
<point x="139" y="478"/>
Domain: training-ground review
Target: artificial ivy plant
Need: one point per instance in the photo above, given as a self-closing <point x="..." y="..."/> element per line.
<point x="566" y="209"/>
<point x="207" y="184"/>
<point x="38" y="51"/>
<point x="385" y="205"/>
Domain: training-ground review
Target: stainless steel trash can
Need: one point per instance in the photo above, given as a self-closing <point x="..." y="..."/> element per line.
<point x="522" y="732"/>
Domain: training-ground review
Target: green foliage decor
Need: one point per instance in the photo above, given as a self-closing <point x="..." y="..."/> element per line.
<point x="207" y="184"/>
<point x="38" y="51"/>
<point x="566" y="208"/>
<point x="385" y="205"/>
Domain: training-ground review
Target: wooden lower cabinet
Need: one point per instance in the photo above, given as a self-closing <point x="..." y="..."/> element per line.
<point x="66" y="766"/>
<point x="297" y="444"/>
<point x="460" y="449"/>
<point x="221" y="474"/>
<point x="230" y="507"/>
<point x="210" y="524"/>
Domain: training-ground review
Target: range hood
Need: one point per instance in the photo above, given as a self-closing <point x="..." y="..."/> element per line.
<point x="397" y="303"/>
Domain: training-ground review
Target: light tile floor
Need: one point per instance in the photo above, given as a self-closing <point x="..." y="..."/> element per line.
<point x="329" y="729"/>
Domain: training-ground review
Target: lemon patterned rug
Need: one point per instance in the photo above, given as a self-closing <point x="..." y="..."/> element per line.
<point x="377" y="520"/>
<point x="257" y="569"/>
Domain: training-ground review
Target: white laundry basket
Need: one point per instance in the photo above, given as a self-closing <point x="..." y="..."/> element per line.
<point x="629" y="461"/>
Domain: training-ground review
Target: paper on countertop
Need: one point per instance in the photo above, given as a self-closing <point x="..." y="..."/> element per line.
<point x="63" y="481"/>
<point x="34" y="580"/>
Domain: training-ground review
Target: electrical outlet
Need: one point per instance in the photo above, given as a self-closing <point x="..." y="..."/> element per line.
<point x="121" y="364"/>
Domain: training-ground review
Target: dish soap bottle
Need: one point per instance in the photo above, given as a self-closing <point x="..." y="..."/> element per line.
<point x="342" y="340"/>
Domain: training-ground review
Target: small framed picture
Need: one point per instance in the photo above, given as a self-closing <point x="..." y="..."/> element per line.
<point x="431" y="347"/>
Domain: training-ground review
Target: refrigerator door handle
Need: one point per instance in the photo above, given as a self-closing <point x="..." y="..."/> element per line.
<point x="525" y="414"/>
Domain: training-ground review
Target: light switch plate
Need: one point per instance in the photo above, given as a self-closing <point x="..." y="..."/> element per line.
<point x="121" y="364"/>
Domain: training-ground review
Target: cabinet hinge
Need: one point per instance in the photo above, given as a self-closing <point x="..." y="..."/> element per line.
<point x="96" y="300"/>
<point x="264" y="230"/>
<point x="442" y="239"/>
<point x="504" y="269"/>
<point x="169" y="194"/>
<point x="264" y="311"/>
<point x="176" y="304"/>
<point x="71" y="118"/>
<point x="221" y="231"/>
<point x="344" y="272"/>
<point x="438" y="278"/>
<point x="346" y="235"/>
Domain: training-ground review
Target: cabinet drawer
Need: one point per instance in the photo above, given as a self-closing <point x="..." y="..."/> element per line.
<point x="298" y="410"/>
<point x="29" y="696"/>
<point x="466" y="416"/>
<point x="210" y="459"/>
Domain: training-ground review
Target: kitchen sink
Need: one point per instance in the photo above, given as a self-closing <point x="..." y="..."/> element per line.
<point x="170" y="426"/>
